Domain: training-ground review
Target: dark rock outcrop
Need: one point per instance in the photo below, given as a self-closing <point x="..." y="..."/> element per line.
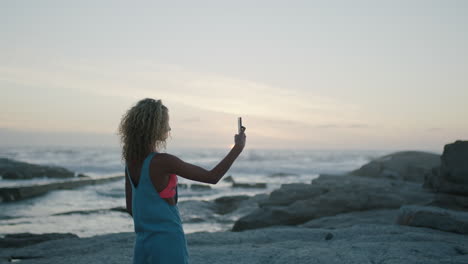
<point x="10" y="194"/>
<point x="17" y="170"/>
<point x="255" y="185"/>
<point x="228" y="179"/>
<point x="26" y="239"/>
<point x="283" y="174"/>
<point x="250" y="185"/>
<point x="200" y="187"/>
<point x="452" y="175"/>
<point x="450" y="201"/>
<point x="406" y="165"/>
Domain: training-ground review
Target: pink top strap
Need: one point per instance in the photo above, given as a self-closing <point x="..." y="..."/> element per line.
<point x="170" y="189"/>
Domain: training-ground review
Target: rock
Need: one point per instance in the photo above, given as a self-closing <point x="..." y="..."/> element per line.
<point x="260" y="185"/>
<point x="406" y="165"/>
<point x="227" y="204"/>
<point x="244" y="184"/>
<point x="93" y="211"/>
<point x="452" y="175"/>
<point x="199" y="187"/>
<point x="82" y="176"/>
<point x="434" y="217"/>
<point x="17" y="170"/>
<point x="283" y="174"/>
<point x="182" y="185"/>
<point x="228" y="179"/>
<point x="10" y="194"/>
<point x="26" y="239"/>
<point x="295" y="204"/>
<point x="454" y="166"/>
<point x="119" y="209"/>
<point x="234" y="208"/>
<point x="289" y="193"/>
<point x="358" y="244"/>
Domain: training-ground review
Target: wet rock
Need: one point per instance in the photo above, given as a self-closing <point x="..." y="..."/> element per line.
<point x="235" y="184"/>
<point x="406" y="165"/>
<point x="182" y="185"/>
<point x="17" y="170"/>
<point x="93" y="211"/>
<point x="260" y="185"/>
<point x="228" y="179"/>
<point x="434" y="217"/>
<point x="227" y="204"/>
<point x="25" y="239"/>
<point x="450" y="201"/>
<point x="283" y="174"/>
<point x="199" y="187"/>
<point x="10" y="194"/>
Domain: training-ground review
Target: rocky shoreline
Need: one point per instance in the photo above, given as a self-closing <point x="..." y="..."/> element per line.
<point x="362" y="243"/>
<point x="407" y="207"/>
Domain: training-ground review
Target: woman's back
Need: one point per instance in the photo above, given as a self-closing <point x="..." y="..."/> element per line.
<point x="158" y="226"/>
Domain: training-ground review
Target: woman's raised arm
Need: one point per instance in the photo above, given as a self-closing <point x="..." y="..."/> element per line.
<point x="172" y="164"/>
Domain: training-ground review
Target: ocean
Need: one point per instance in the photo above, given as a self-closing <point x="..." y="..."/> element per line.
<point x="85" y="211"/>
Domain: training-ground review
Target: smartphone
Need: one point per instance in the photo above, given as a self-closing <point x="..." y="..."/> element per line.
<point x="239" y="124"/>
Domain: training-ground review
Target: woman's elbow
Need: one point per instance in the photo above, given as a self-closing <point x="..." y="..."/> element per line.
<point x="212" y="178"/>
<point x="214" y="181"/>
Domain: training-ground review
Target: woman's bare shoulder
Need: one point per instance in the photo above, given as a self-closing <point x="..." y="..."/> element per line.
<point x="164" y="160"/>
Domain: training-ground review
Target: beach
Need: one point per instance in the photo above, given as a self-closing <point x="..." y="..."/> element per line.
<point x="399" y="207"/>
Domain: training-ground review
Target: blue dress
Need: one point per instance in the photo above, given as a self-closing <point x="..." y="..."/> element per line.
<point x="160" y="237"/>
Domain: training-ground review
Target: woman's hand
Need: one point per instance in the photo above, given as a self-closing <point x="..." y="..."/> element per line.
<point x="239" y="139"/>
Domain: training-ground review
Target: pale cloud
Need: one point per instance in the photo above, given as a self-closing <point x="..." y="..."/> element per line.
<point x="207" y="91"/>
<point x="434" y="129"/>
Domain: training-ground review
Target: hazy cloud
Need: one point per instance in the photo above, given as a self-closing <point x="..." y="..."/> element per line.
<point x="434" y="129"/>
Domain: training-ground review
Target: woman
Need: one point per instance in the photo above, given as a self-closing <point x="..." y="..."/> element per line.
<point x="151" y="182"/>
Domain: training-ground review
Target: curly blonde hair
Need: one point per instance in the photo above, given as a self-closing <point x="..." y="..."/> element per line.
<point x="143" y="128"/>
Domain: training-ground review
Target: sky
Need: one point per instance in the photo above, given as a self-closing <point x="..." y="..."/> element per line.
<point x="302" y="74"/>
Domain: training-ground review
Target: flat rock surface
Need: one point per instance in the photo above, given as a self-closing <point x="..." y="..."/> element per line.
<point x="383" y="216"/>
<point x="366" y="243"/>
